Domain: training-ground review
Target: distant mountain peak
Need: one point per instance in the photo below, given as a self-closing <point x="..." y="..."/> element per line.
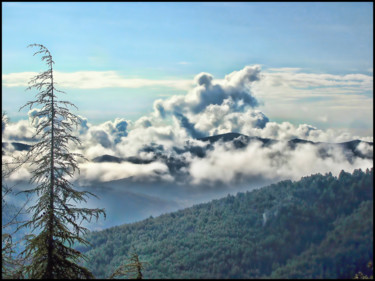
<point x="17" y="146"/>
<point x="224" y="137"/>
<point x="114" y="159"/>
<point x="107" y="158"/>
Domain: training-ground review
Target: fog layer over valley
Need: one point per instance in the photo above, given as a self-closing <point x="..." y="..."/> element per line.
<point x="195" y="147"/>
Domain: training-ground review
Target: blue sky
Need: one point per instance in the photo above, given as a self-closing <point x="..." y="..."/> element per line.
<point x="176" y="41"/>
<point x="154" y="38"/>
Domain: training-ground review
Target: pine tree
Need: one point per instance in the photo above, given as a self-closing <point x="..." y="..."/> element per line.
<point x="131" y="270"/>
<point x="12" y="264"/>
<point x="54" y="216"/>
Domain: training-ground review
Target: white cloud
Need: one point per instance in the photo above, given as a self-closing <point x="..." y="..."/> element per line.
<point x="292" y="85"/>
<point x="365" y="149"/>
<point x="20" y="79"/>
<point x="306" y="97"/>
<point x="232" y="94"/>
<point x="19" y="131"/>
<point x="114" y="171"/>
<point x="276" y="162"/>
<point x="216" y="106"/>
<point x="94" y="80"/>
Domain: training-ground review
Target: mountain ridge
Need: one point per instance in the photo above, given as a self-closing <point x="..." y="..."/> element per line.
<point x="258" y="234"/>
<point x="240" y="141"/>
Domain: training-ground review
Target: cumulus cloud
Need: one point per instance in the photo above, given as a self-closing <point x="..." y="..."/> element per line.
<point x="166" y="138"/>
<point x="19" y="131"/>
<point x="220" y="119"/>
<point x="117" y="129"/>
<point x="207" y="91"/>
<point x="100" y="139"/>
<point x="190" y="128"/>
<point x="365" y="149"/>
<point x="210" y="96"/>
<point x="288" y="131"/>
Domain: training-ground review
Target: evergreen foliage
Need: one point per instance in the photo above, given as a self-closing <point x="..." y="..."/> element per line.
<point x="361" y="275"/>
<point x="12" y="263"/>
<point x="130" y="270"/>
<point x="54" y="215"/>
<point x="318" y="227"/>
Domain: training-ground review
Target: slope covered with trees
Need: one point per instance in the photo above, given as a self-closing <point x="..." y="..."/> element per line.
<point x="318" y="227"/>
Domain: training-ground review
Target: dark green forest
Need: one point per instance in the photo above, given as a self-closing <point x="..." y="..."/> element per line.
<point x="318" y="227"/>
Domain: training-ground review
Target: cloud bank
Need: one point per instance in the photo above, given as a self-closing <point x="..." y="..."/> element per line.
<point x="166" y="140"/>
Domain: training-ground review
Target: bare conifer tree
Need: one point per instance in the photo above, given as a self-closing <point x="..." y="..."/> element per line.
<point x="54" y="215"/>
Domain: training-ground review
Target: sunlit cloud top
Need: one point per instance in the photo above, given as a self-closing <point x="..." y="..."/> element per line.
<point x="116" y="59"/>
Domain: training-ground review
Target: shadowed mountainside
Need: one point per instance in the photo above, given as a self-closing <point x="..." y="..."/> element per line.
<point x="318" y="227"/>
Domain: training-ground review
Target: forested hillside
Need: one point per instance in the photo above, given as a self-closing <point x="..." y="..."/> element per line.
<point x="318" y="227"/>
